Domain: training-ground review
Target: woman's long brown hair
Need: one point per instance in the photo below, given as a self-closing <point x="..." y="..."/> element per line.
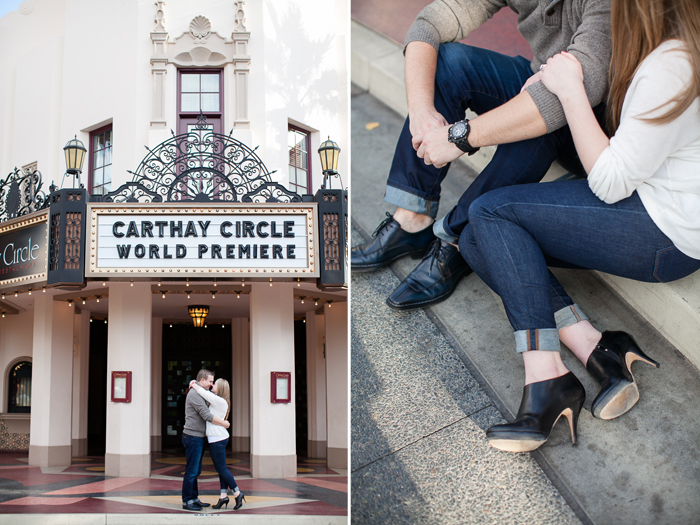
<point x="638" y="27"/>
<point x="224" y="390"/>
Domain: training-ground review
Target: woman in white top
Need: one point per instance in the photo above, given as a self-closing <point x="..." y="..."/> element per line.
<point x="637" y="215"/>
<point x="219" y="400"/>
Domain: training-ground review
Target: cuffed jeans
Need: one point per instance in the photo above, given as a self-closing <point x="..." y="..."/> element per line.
<point x="478" y="79"/>
<point x="515" y="233"/>
<point x="217" y="450"/>
<point x="194" y="451"/>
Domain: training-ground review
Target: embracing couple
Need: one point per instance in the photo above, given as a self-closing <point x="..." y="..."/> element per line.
<point x="206" y="416"/>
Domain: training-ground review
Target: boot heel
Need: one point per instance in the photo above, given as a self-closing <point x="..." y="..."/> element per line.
<point x="572" y="414"/>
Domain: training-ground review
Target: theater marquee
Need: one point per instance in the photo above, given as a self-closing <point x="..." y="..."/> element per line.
<point x="186" y="240"/>
<point x="24" y="249"/>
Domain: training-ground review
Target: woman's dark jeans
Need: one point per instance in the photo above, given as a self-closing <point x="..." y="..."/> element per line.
<point x="217" y="450"/>
<point x="515" y="233"/>
<point x="478" y="79"/>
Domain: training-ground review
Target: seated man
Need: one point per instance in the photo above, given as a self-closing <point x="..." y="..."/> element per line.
<point x="515" y="111"/>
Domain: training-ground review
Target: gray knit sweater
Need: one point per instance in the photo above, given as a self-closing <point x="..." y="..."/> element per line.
<point x="581" y="27"/>
<point x="196" y="415"/>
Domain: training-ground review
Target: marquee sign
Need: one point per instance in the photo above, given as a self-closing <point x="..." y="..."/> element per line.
<point x="24" y="250"/>
<point x="186" y="240"/>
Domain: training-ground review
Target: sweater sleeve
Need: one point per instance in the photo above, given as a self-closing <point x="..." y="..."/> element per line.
<point x="639" y="147"/>
<point x="591" y="44"/>
<point x="450" y="20"/>
<point x="212" y="398"/>
<point x="201" y="407"/>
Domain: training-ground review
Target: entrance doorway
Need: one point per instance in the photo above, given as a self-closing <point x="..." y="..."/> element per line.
<point x="186" y="350"/>
<point x="97" y="391"/>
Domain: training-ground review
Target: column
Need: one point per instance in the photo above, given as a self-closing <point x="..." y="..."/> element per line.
<point x="337" y="379"/>
<point x="81" y="369"/>
<point x="129" y="349"/>
<point x="156" y="383"/>
<point x="240" y="385"/>
<point x="273" y="432"/>
<point x="316" y="384"/>
<point x="50" y="442"/>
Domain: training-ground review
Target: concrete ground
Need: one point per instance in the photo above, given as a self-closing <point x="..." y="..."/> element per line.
<point x="426" y="383"/>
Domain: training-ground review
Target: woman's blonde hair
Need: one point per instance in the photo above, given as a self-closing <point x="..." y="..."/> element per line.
<point x="638" y="27"/>
<point x="224" y="390"/>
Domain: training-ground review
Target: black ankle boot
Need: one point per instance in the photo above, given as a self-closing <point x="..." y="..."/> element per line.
<point x="222" y="501"/>
<point x="239" y="500"/>
<point x="542" y="405"/>
<point x="610" y="365"/>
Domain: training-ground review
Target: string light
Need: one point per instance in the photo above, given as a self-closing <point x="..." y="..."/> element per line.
<point x="15" y="294"/>
<point x="98" y="298"/>
<point x="188" y="282"/>
<point x="105" y="321"/>
<point x="238" y="295"/>
<point x="298" y="282"/>
<point x="171" y="325"/>
<point x="70" y="303"/>
<point x="30" y="292"/>
<point x="330" y="303"/>
<point x="214" y="282"/>
<point x="3" y="297"/>
<point x="213" y="296"/>
<point x="132" y="282"/>
<point x="188" y="295"/>
<point x="270" y="281"/>
<point x="43" y="290"/>
<point x="302" y="300"/>
<point x="83" y="299"/>
<point x="243" y="281"/>
<point x="104" y="283"/>
<point x="316" y="302"/>
<point x="222" y="325"/>
<point x="158" y="282"/>
<point x="91" y="319"/>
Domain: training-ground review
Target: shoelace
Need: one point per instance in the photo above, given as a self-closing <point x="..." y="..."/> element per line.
<point x="389" y="219"/>
<point x="434" y="252"/>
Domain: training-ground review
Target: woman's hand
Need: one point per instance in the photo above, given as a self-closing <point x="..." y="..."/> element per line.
<point x="562" y="75"/>
<point x="192" y="383"/>
<point x="534" y="78"/>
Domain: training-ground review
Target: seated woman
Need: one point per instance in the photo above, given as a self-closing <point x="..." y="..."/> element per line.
<point x="637" y="216"/>
<point x="219" y="400"/>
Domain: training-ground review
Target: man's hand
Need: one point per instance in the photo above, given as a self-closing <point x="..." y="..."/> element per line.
<point x="226" y="424"/>
<point x="435" y="149"/>
<point x="422" y="121"/>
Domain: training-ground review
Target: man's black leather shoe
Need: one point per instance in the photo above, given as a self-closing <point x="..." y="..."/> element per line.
<point x="190" y="505"/>
<point x="201" y="503"/>
<point x="433" y="280"/>
<point x="389" y="242"/>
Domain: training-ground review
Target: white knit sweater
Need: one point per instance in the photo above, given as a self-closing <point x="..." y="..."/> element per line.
<point x="660" y="161"/>
<point x="218" y="407"/>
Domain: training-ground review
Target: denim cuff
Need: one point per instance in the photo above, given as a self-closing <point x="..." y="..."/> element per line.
<point x="409" y="201"/>
<point x="442" y="230"/>
<point x="568" y="316"/>
<point x="546" y="339"/>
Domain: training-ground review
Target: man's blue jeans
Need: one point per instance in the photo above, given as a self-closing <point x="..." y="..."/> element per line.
<point x="218" y="457"/>
<point x="194" y="451"/>
<point x="515" y="233"/>
<point x="478" y="79"/>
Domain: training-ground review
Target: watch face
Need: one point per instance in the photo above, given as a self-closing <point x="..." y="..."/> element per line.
<point x="459" y="129"/>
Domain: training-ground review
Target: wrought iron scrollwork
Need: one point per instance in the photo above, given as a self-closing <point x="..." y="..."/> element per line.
<point x="20" y="194"/>
<point x="200" y="166"/>
<point x="272" y="192"/>
<point x="129" y="192"/>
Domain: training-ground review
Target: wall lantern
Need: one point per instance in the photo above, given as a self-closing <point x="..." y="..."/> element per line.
<point x="333" y="222"/>
<point x="75" y="155"/>
<point x="329" y="153"/>
<point x="198" y="313"/>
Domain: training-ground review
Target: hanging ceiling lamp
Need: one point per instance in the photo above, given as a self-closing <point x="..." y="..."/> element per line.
<point x="198" y="313"/>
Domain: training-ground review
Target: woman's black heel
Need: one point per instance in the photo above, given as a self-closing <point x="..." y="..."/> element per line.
<point x="542" y="405"/>
<point x="611" y="365"/>
<point x="239" y="501"/>
<point x="222" y="501"/>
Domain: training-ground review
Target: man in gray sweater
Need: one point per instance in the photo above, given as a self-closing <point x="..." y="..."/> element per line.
<point x="516" y="112"/>
<point x="193" y="437"/>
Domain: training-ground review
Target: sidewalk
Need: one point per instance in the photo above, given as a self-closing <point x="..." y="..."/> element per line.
<point x="81" y="494"/>
<point x="426" y="383"/>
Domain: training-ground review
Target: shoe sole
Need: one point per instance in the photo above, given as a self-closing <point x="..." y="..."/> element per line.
<point x="618" y="402"/>
<point x="528" y="445"/>
<point x="361" y="269"/>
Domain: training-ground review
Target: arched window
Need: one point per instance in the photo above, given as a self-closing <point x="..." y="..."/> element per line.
<point x="19" y="398"/>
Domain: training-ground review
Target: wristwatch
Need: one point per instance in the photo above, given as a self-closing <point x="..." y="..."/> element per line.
<point x="458" y="134"/>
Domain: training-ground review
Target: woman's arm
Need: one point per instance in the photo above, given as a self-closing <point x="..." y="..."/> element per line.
<point x="214" y="400"/>
<point x="563" y="76"/>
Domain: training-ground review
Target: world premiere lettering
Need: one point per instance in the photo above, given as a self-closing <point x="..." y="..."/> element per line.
<point x="199" y="229"/>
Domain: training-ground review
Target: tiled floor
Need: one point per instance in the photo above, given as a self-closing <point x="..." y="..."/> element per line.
<point x="82" y="488"/>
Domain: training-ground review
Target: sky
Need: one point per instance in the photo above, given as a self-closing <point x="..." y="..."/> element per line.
<point x="8" y="5"/>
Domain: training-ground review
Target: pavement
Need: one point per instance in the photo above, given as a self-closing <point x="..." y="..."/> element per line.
<point x="82" y="495"/>
<point x="427" y="383"/>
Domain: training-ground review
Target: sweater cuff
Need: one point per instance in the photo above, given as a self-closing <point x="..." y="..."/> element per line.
<point x="422" y="31"/>
<point x="549" y="106"/>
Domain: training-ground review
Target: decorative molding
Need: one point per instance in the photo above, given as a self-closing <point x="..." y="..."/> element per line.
<point x="202" y="48"/>
<point x="200" y="28"/>
<point x="160" y="16"/>
<point x="240" y="17"/>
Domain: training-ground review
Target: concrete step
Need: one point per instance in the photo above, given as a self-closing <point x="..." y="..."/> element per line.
<point x="672" y="308"/>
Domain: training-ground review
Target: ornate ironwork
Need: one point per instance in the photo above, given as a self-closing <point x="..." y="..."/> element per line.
<point x="272" y="192"/>
<point x="129" y="192"/>
<point x="20" y="194"/>
<point x="199" y="166"/>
